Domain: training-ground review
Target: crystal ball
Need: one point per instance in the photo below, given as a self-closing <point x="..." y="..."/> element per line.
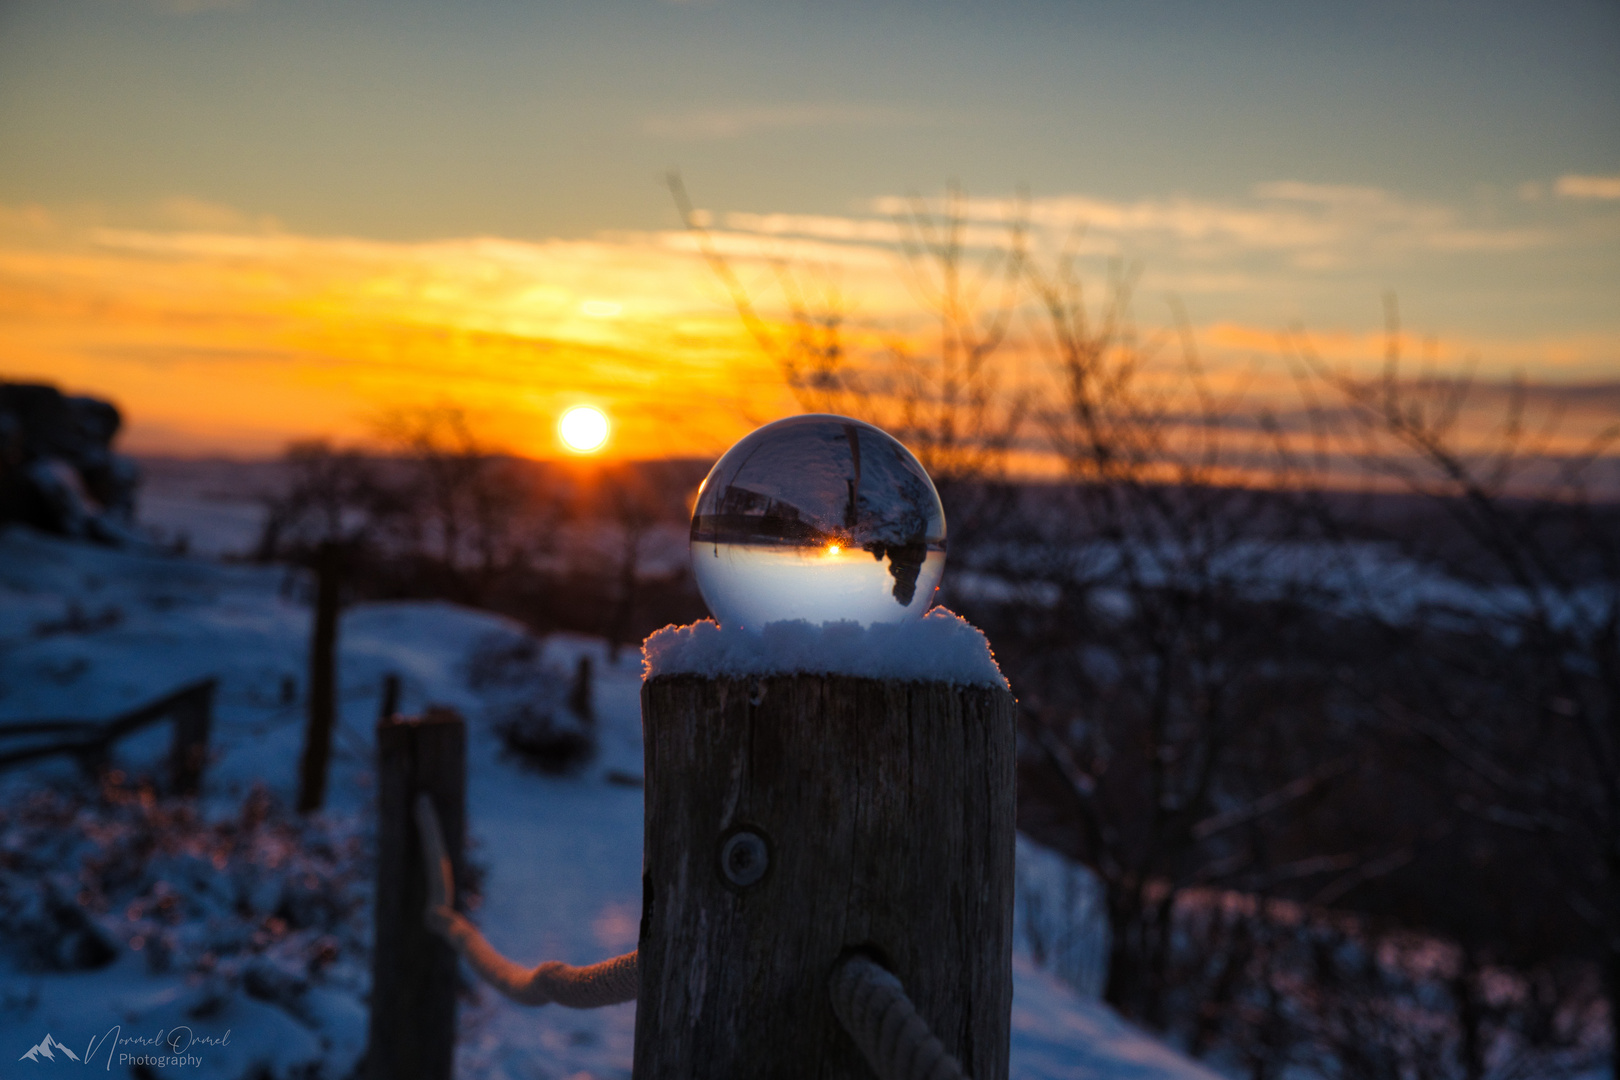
<point x="821" y="518"/>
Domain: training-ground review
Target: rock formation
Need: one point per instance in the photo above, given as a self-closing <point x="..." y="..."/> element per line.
<point x="58" y="471"/>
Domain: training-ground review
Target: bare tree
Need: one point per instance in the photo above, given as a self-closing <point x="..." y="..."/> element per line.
<point x="810" y="348"/>
<point x="1521" y="679"/>
<point x="444" y="513"/>
<point x="1173" y="653"/>
<point x="331" y="495"/>
<point x="957" y="404"/>
<point x="1147" y="675"/>
<point x="954" y="402"/>
<point x="634" y="510"/>
<point x="470" y="498"/>
<point x="1208" y="703"/>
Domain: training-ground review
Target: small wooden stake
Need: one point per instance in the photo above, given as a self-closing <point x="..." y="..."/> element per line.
<point x="883" y="813"/>
<point x="322" y="680"/>
<point x="188" y="753"/>
<point x="389" y="705"/>
<point x="413" y="993"/>
<point x="581" y="697"/>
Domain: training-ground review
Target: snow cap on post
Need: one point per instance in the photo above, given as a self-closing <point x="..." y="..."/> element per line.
<point x="941" y="646"/>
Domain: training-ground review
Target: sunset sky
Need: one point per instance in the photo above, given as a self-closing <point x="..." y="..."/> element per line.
<point x="248" y="221"/>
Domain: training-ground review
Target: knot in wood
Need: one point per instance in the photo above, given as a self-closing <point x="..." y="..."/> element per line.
<point x="744" y="858"/>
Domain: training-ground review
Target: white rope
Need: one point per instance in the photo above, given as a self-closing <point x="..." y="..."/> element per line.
<point x="872" y="1005"/>
<point x="608" y="983"/>
<point x="868" y="1000"/>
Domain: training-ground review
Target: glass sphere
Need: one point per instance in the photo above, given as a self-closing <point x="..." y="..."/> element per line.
<point x="821" y="518"/>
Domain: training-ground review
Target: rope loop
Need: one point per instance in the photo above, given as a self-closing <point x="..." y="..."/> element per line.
<point x="871" y="1004"/>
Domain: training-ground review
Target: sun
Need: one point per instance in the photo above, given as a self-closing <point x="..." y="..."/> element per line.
<point x="584" y="429"/>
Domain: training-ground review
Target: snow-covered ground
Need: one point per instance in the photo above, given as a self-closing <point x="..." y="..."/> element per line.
<point x="86" y="632"/>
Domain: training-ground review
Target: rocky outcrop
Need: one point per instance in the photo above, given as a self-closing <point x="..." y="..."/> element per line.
<point x="58" y="471"/>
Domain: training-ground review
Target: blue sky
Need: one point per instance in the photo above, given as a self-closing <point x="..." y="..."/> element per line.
<point x="409" y="120"/>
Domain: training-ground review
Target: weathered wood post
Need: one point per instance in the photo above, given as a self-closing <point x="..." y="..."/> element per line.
<point x="413" y="992"/>
<point x="322" y="678"/>
<point x="794" y="819"/>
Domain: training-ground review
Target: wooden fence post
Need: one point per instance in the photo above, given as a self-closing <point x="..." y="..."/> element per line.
<point x="188" y="754"/>
<point x="792" y="819"/>
<point x="389" y="705"/>
<point x="581" y="695"/>
<point x="322" y="679"/>
<point x="413" y="992"/>
<point x="189" y="708"/>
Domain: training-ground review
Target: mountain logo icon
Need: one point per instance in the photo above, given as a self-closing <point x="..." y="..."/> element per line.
<point x="46" y="1048"/>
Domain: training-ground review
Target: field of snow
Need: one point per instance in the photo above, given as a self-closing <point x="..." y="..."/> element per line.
<point x="86" y="632"/>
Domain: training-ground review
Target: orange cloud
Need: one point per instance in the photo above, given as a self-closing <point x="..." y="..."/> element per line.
<point x="232" y="335"/>
<point x="1588" y="187"/>
<point x="238" y="342"/>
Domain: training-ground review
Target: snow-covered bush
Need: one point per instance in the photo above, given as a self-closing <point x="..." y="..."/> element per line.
<point x="540" y="720"/>
<point x="261" y="903"/>
<point x="1266" y="986"/>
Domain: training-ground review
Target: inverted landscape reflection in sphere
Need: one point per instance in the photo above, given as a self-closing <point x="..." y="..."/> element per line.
<point x="817" y="517"/>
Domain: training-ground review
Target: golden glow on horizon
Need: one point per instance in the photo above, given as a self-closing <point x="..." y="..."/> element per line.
<point x="237" y="343"/>
<point x="584" y="429"/>
<point x="833" y="549"/>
